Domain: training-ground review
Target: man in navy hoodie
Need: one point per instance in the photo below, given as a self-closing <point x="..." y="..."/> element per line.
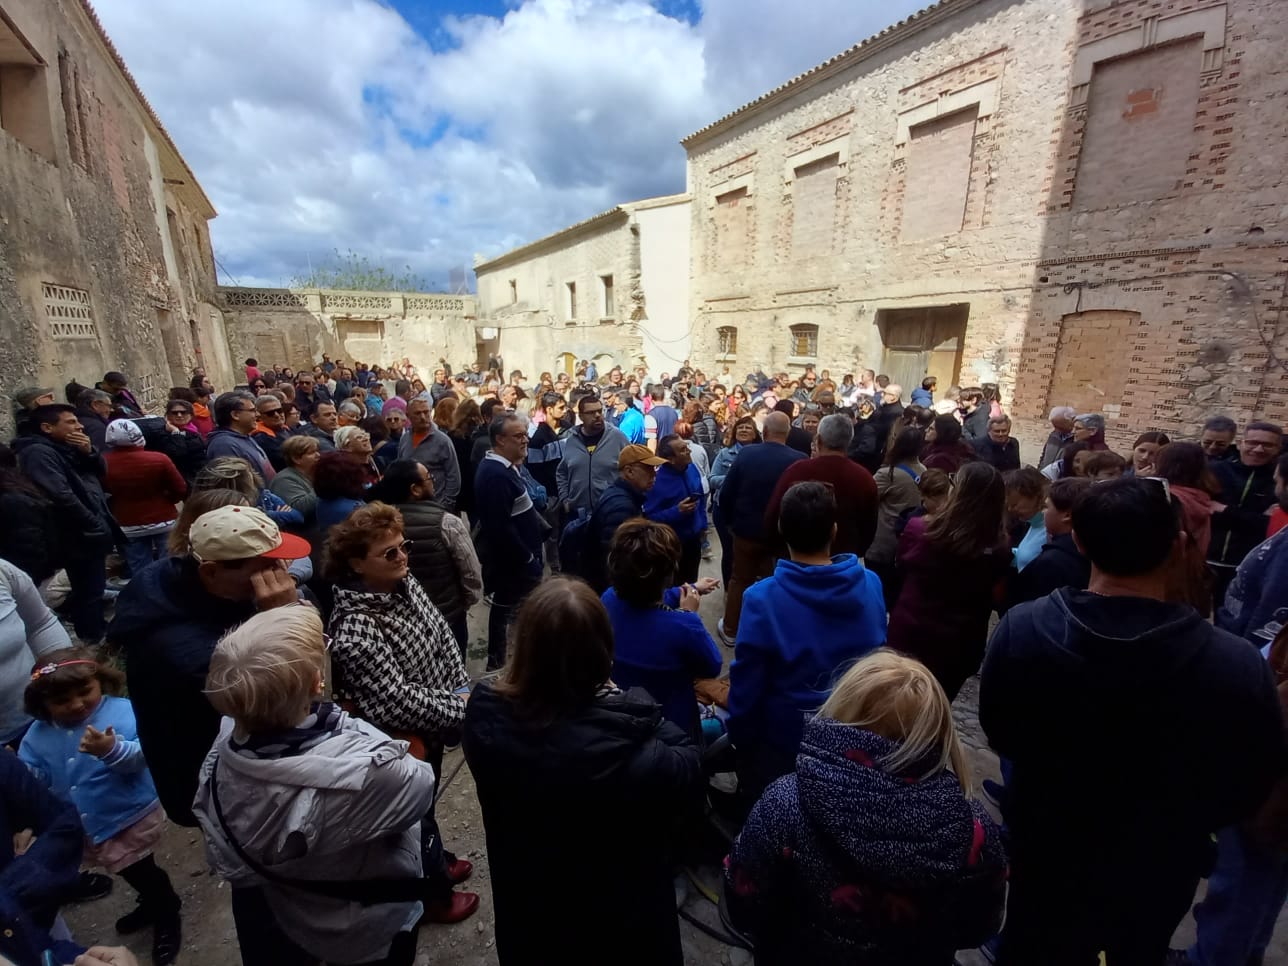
<point x="676" y="499"/>
<point x="800" y="630"/>
<point x="1136" y="729"/>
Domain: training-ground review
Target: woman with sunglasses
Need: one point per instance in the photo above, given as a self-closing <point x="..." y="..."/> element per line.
<point x="182" y="442"/>
<point x="397" y="665"/>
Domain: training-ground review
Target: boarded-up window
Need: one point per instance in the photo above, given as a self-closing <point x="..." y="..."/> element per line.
<point x="733" y="213"/>
<point x="727" y="336"/>
<point x="610" y="304"/>
<point x="804" y="341"/>
<point x="1092" y="359"/>
<point x="570" y="300"/>
<point x="1140" y="126"/>
<point x="938" y="175"/>
<point x="814" y="207"/>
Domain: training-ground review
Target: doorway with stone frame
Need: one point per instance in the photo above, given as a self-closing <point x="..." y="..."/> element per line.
<point x="923" y="341"/>
<point x="363" y="340"/>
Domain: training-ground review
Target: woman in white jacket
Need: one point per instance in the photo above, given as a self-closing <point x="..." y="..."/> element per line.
<point x="306" y="805"/>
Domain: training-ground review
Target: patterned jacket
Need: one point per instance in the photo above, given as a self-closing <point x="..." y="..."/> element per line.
<point x="395" y="657"/>
<point x="845" y="862"/>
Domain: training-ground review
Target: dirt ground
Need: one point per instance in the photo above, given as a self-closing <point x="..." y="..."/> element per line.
<point x="210" y="939"/>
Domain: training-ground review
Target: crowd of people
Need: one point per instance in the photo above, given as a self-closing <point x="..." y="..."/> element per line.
<point x="288" y="567"/>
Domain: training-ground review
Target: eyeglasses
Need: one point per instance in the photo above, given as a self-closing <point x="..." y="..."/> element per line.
<point x="392" y="553"/>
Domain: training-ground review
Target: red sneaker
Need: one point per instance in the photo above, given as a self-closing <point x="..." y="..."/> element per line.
<point x="460" y="907"/>
<point x="460" y="870"/>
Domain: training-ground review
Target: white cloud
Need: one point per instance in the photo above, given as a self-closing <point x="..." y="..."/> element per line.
<point x="324" y="124"/>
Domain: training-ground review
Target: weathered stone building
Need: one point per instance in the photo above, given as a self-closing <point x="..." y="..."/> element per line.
<point x="294" y="327"/>
<point x="105" y="258"/>
<point x="1081" y="201"/>
<point x="613" y="288"/>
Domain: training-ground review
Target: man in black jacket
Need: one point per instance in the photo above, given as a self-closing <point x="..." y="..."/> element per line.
<point x="1135" y="729"/>
<point x="1061" y="563"/>
<point x="744" y="497"/>
<point x="975" y="413"/>
<point x="94" y="410"/>
<point x="510" y="532"/>
<point x="60" y="459"/>
<point x="1248" y="494"/>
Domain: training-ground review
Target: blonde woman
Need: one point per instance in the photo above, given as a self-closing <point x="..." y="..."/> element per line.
<point x="873" y="850"/>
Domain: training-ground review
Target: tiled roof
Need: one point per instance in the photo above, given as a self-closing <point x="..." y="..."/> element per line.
<point x="864" y="48"/>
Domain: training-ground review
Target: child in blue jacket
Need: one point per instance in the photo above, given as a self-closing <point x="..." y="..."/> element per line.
<point x="84" y="745"/>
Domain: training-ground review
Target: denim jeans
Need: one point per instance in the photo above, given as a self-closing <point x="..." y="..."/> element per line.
<point x="141" y="551"/>
<point x="1245" y="893"/>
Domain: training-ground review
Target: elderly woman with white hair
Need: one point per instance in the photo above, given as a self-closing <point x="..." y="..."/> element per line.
<point x="1061" y="434"/>
<point x="145" y="486"/>
<point x="355" y="442"/>
<point x="319" y="811"/>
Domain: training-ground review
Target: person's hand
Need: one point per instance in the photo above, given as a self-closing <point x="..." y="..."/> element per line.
<point x="706" y="584"/>
<point x="98" y="743"/>
<point x="688" y="505"/>
<point x="284" y="507"/>
<point x="689" y="598"/>
<point x="22" y="841"/>
<point x="1215" y="507"/>
<point x="273" y="588"/>
<point x="106" y="956"/>
<point x="80" y="441"/>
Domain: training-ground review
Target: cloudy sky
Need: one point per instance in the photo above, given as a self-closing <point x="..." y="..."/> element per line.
<point x="422" y="132"/>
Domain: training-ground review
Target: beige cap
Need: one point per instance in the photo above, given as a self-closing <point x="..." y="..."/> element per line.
<point x="242" y="532"/>
<point x="635" y="453"/>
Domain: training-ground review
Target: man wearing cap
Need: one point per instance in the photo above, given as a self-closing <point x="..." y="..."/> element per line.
<point x="59" y="458"/>
<point x="25" y="401"/>
<point x="624" y="499"/>
<point x="168" y="620"/>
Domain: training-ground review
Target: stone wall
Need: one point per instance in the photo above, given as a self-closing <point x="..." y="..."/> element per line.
<point x="105" y="260"/>
<point x="547" y="299"/>
<point x="295" y="327"/>
<point x="1079" y="181"/>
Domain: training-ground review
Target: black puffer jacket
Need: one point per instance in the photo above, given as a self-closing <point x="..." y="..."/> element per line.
<point x="72" y="479"/>
<point x="602" y="794"/>
<point x="844" y="862"/>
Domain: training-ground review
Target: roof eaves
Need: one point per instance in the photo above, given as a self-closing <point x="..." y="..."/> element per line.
<point x="531" y="248"/>
<point x="88" y="8"/>
<point x="879" y="41"/>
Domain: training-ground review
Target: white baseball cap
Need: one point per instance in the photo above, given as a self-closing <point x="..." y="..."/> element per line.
<point x="242" y="532"/>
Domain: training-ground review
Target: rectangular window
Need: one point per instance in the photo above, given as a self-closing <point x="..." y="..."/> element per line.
<point x="727" y="341"/>
<point x="514" y="290"/>
<point x="814" y="207"/>
<point x="804" y="341"/>
<point x="1140" y="126"/>
<point x="733" y="221"/>
<point x="610" y="307"/>
<point x="570" y="302"/>
<point x="938" y="175"/>
<point x="24" y="96"/>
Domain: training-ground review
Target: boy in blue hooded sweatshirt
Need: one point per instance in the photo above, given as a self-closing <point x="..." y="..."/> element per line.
<point x="799" y="631"/>
<point x="676" y="499"/>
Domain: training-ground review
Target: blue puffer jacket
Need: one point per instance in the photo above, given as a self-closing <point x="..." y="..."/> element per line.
<point x="844" y="862"/>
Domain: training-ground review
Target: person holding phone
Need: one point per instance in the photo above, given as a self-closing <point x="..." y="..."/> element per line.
<point x="676" y="499"/>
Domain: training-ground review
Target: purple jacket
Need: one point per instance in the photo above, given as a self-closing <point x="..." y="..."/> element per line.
<point x="844" y="862"/>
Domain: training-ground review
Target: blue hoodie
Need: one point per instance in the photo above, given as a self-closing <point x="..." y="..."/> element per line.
<point x="670" y="489"/>
<point x="798" y="632"/>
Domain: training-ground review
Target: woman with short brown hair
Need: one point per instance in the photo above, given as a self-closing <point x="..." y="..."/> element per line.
<point x="577" y="779"/>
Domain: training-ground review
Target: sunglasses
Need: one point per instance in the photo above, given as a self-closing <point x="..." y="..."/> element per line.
<point x="179" y="412"/>
<point x="271" y="412"/>
<point x="397" y="549"/>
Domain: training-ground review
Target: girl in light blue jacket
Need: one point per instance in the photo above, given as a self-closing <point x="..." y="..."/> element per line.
<point x="84" y="745"/>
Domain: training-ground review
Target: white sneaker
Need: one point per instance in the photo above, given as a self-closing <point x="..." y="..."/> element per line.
<point x="725" y="639"/>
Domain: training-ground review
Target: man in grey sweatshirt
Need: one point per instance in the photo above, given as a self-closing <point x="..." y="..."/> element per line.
<point x="424" y="442"/>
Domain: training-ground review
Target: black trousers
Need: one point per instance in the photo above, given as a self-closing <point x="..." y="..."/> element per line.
<point x="690" y="561"/>
<point x="263" y="943"/>
<point x="153" y="886"/>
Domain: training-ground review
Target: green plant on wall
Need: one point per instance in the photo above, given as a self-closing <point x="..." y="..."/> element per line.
<point x="355" y="272"/>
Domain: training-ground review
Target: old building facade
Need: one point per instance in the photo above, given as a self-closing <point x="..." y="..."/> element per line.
<point x="106" y="260"/>
<point x="1082" y="202"/>
<point x="613" y="289"/>
<point x="295" y="327"/>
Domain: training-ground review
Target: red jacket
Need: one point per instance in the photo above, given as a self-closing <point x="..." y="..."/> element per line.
<point x="144" y="486"/>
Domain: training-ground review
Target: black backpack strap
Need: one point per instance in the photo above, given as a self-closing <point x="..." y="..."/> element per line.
<point x="366" y="892"/>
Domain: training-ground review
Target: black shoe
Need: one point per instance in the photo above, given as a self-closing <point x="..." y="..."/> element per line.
<point x="132" y="922"/>
<point x="89" y="886"/>
<point x="167" y="940"/>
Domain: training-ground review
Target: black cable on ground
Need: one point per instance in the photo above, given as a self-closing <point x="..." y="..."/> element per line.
<point x="717" y="934"/>
<point x="442" y="785"/>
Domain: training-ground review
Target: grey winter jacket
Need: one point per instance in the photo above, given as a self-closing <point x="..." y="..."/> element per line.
<point x="349" y="807"/>
<point x="582" y="475"/>
<point x="439" y="456"/>
<point x="297" y="490"/>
